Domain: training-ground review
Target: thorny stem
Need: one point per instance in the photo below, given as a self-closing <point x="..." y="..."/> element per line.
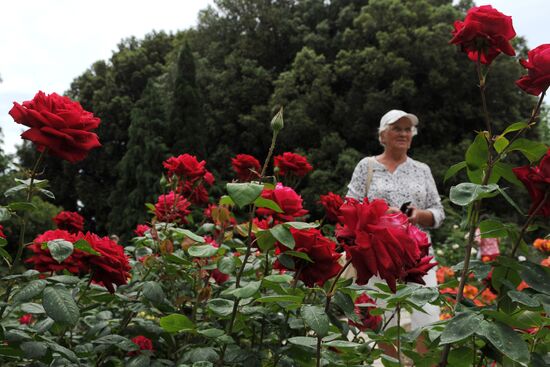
<point x="269" y="154"/>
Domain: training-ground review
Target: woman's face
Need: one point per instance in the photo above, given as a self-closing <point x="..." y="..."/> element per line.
<point x="398" y="136"/>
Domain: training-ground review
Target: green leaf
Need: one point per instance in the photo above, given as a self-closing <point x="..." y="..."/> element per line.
<point x="536" y="276"/>
<point x="153" y="292"/>
<point x="69" y="354"/>
<point x="243" y="292"/>
<point x="515" y="127"/>
<point x="244" y="193"/>
<point x="466" y="192"/>
<point x="500" y="144"/>
<point x="202" y="251"/>
<point x="477" y="153"/>
<point x="280" y="298"/>
<point x="523" y="298"/>
<point x="279" y="278"/>
<point x="283" y="235"/>
<point x="211" y="333"/>
<point x="300" y="255"/>
<point x="176" y="323"/>
<point x="461" y="357"/>
<point x="505" y="170"/>
<point x="60" y="249"/>
<point x="60" y="305"/>
<point x="265" y="240"/>
<point x="220" y="306"/>
<point x="492" y="228"/>
<point x="118" y="341"/>
<point x="423" y="295"/>
<point x="14" y="190"/>
<point x="304" y="341"/>
<point x="85" y="246"/>
<point x="316" y="318"/>
<point x="511" y="201"/>
<point x="226" y="200"/>
<point x="453" y="170"/>
<point x="47" y="193"/>
<point x="187" y="233"/>
<point x="65" y="279"/>
<point x="4" y="214"/>
<point x="21" y="205"/>
<point x="261" y="202"/>
<point x="34" y="350"/>
<point x="30" y="291"/>
<point x="226" y="265"/>
<point x="505" y="339"/>
<point x="460" y="327"/>
<point x="301" y="225"/>
<point x="33" y="308"/>
<point x="341" y="344"/>
<point x="532" y="150"/>
<point x="141" y="360"/>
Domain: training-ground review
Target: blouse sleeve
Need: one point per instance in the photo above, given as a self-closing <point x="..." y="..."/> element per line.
<point x="356" y="187"/>
<point x="433" y="201"/>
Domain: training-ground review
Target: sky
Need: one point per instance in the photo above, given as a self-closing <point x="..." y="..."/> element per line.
<point x="45" y="44"/>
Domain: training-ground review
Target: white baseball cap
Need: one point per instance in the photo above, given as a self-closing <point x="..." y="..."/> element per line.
<point x="392" y="116"/>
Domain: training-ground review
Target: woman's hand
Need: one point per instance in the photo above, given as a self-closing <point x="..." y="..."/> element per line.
<point x="393" y="209"/>
<point x="424" y="218"/>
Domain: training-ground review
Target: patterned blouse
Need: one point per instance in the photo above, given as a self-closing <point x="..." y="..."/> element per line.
<point x="411" y="181"/>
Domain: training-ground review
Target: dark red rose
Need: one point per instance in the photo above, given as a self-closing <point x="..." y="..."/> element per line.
<point x="26" y="319"/>
<point x="141" y="229"/>
<point x="538" y="66"/>
<point x="246" y="167"/>
<point x="172" y="208"/>
<point x="320" y="250"/>
<point x="332" y="203"/>
<point x="195" y="192"/>
<point x="58" y="124"/>
<point x="2" y="235"/>
<point x="69" y="221"/>
<point x="537" y="181"/>
<point x="185" y="166"/>
<point x="219" y="277"/>
<point x="368" y="321"/>
<point x="292" y="164"/>
<point x="143" y="343"/>
<point x="43" y="261"/>
<point x="485" y="30"/>
<point x="287" y="199"/>
<point x="208" y="178"/>
<point x="381" y="243"/>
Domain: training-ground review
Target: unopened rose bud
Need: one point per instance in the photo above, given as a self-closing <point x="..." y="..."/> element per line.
<point x="277" y="122"/>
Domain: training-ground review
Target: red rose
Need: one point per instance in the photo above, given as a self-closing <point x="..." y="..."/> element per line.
<point x="538" y="66"/>
<point x="219" y="277"/>
<point x="383" y="244"/>
<point x="141" y="229"/>
<point x="537" y="181"/>
<point x="320" y="250"/>
<point x="195" y="192"/>
<point x="172" y="208"/>
<point x="484" y="30"/>
<point x="69" y="221"/>
<point x="43" y="261"/>
<point x="2" y="235"/>
<point x="58" y="124"/>
<point x="246" y="166"/>
<point x="368" y="321"/>
<point x="111" y="266"/>
<point x="143" y="343"/>
<point x="292" y="164"/>
<point x="26" y="319"/>
<point x="186" y="166"/>
<point x="287" y="199"/>
<point x="332" y="203"/>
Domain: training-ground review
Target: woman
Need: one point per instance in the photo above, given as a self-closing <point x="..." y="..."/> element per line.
<point x="404" y="183"/>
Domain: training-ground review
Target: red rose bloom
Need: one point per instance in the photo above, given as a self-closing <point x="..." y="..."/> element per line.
<point x="383" y="244"/>
<point x="195" y="192"/>
<point x="69" y="221"/>
<point x="58" y="124"/>
<point x="141" y="229"/>
<point x="111" y="267"/>
<point x="246" y="167"/>
<point x="26" y="319"/>
<point x="143" y="343"/>
<point x="484" y="30"/>
<point x="185" y="166"/>
<point x="2" y="235"/>
<point x="219" y="277"/>
<point x="43" y="261"/>
<point x="320" y="250"/>
<point x="287" y="199"/>
<point x="537" y="181"/>
<point x="538" y="66"/>
<point x="292" y="164"/>
<point x="332" y="203"/>
<point x="172" y="208"/>
<point x="368" y="321"/>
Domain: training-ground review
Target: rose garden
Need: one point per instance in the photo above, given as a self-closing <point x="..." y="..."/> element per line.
<point x="236" y="271"/>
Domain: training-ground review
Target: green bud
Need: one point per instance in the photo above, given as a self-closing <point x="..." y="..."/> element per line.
<point x="277" y="122"/>
<point x="163" y="181"/>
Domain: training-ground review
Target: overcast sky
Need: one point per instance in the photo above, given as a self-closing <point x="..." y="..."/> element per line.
<point x="45" y="44"/>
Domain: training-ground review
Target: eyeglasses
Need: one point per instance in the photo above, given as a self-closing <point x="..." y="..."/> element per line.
<point x="397" y="129"/>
